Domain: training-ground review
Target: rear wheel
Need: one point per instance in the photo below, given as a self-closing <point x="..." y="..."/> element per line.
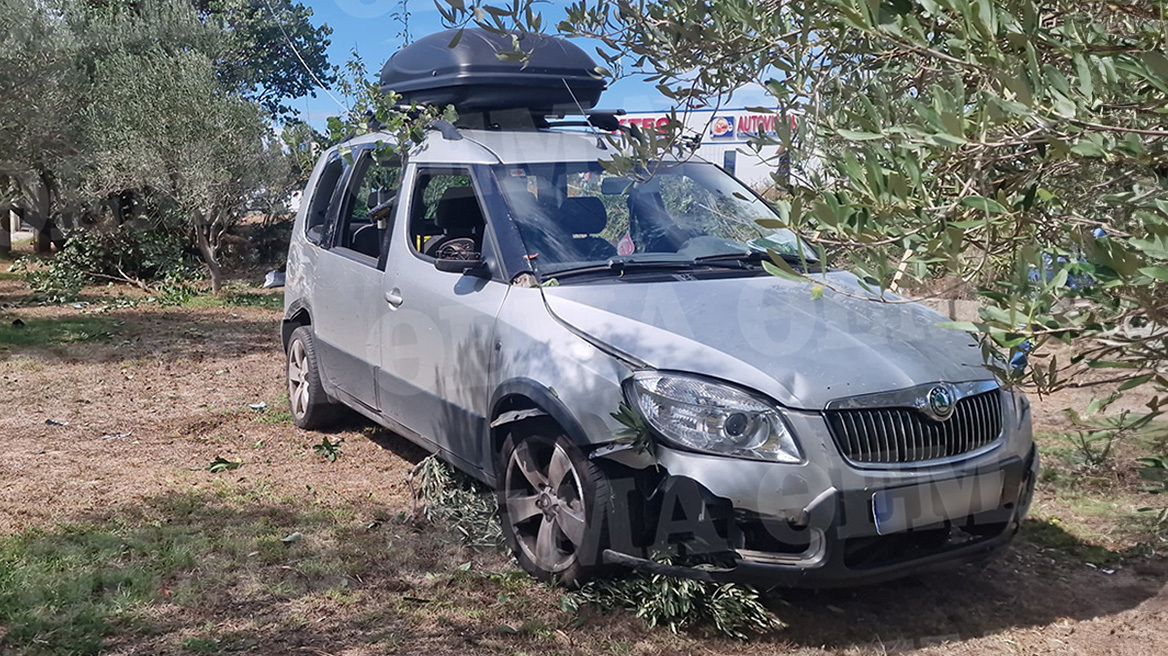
<point x="310" y="406"/>
<point x="551" y="503"/>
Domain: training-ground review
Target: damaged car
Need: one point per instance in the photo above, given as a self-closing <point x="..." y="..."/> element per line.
<point x="610" y="354"/>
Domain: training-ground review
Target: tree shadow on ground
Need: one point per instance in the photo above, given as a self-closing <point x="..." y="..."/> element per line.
<point x="235" y="569"/>
<point x="1028" y="584"/>
<point x="207" y="573"/>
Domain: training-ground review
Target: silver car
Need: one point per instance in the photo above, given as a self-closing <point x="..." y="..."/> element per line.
<point x="611" y="356"/>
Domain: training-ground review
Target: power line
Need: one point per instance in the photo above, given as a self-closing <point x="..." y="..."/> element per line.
<point x="296" y="52"/>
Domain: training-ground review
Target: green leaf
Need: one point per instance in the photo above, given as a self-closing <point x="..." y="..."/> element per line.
<point x="966" y="326"/>
<point x="984" y="204"/>
<point x="1136" y="382"/>
<point x="1159" y="273"/>
<point x="856" y="135"/>
<point x="1088" y="148"/>
<point x="457" y="37"/>
<point x="221" y="464"/>
<point x="1060" y="279"/>
<point x="782" y="270"/>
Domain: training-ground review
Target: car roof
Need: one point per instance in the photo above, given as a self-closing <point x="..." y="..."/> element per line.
<point x="504" y="146"/>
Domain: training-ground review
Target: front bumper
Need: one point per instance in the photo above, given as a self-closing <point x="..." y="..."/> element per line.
<point x="832" y="541"/>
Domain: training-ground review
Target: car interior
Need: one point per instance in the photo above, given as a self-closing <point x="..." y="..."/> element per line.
<point x="460" y="218"/>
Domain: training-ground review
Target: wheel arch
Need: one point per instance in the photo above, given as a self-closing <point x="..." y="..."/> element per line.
<point x="524" y="394"/>
<point x="295" y="316"/>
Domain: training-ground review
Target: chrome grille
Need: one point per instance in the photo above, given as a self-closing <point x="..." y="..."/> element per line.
<point x="905" y="435"/>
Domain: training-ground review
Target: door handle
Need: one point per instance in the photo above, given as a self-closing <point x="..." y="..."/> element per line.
<point x="394" y="297"/>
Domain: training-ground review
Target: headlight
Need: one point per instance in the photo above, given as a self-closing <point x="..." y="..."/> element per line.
<point x="696" y="414"/>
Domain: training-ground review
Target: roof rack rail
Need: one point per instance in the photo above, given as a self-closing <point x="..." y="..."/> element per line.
<point x="603" y="120"/>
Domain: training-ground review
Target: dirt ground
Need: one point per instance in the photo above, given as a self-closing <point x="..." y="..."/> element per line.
<point x="112" y="424"/>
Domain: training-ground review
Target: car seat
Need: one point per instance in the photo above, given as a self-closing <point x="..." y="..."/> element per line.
<point x="583" y="218"/>
<point x="460" y="218"/>
<point x="651" y="225"/>
<point x="367" y="240"/>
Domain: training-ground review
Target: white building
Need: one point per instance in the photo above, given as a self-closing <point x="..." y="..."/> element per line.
<point x="725" y="134"/>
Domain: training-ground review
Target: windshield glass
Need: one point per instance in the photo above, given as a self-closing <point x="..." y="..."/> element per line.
<point x="575" y="214"/>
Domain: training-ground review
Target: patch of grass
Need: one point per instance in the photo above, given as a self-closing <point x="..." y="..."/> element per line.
<point x="62" y="592"/>
<point x="234" y="296"/>
<point x="49" y="332"/>
<point x="202" y="645"/>
<point x="66" y="591"/>
<point x="274" y="417"/>
<point x="265" y="300"/>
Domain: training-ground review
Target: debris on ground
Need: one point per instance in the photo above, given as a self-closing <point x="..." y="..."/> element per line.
<point x="274" y="279"/>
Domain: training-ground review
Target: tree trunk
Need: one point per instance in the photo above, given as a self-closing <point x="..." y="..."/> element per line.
<point x="38" y="214"/>
<point x="5" y="229"/>
<point x="208" y="250"/>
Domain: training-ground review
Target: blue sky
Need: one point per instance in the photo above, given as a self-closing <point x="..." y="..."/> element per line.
<point x="369" y="27"/>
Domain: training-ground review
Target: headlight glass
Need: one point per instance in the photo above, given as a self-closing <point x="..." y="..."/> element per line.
<point x="711" y="417"/>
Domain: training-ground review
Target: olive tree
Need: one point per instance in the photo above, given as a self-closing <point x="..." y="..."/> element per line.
<point x="38" y="143"/>
<point x="1015" y="148"/>
<point x="202" y="153"/>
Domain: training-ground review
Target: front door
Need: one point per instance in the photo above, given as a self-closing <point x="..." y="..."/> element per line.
<point x="438" y="340"/>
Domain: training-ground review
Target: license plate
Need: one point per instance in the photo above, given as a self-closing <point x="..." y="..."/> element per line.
<point x="914" y="506"/>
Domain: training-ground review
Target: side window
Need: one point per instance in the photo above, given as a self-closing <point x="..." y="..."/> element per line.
<point x="446" y="216"/>
<point x="322" y="194"/>
<point x="366" y="212"/>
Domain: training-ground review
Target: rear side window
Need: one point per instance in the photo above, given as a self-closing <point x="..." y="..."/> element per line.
<point x="446" y="216"/>
<point x="322" y="194"/>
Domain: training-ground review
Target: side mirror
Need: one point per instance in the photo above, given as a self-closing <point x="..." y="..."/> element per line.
<point x="476" y="268"/>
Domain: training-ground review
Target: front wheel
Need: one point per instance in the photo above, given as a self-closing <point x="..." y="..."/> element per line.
<point x="551" y="504"/>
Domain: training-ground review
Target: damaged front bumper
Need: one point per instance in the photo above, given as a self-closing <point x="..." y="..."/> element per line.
<point x="806" y="526"/>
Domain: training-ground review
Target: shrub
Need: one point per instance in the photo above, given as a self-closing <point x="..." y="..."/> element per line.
<point x="125" y="254"/>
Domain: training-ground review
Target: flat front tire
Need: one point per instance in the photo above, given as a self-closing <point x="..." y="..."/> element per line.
<point x="310" y="406"/>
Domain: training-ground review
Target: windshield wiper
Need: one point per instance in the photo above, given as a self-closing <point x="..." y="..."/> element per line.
<point x="620" y="267"/>
<point x="742" y="259"/>
<point x="753" y="257"/>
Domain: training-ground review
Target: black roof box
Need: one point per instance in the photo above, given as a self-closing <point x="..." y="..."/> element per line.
<point x="470" y="76"/>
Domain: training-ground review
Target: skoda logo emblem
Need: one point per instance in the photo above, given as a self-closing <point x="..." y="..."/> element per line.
<point x="941" y="402"/>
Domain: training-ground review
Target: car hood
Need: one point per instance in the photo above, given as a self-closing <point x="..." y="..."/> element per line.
<point x="770" y="335"/>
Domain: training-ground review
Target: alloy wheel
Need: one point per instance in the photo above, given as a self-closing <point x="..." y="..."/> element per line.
<point x="298" y="378"/>
<point x="545" y="504"/>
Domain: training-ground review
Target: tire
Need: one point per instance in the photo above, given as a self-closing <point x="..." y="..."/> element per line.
<point x="555" y="528"/>
<point x="310" y="406"/>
